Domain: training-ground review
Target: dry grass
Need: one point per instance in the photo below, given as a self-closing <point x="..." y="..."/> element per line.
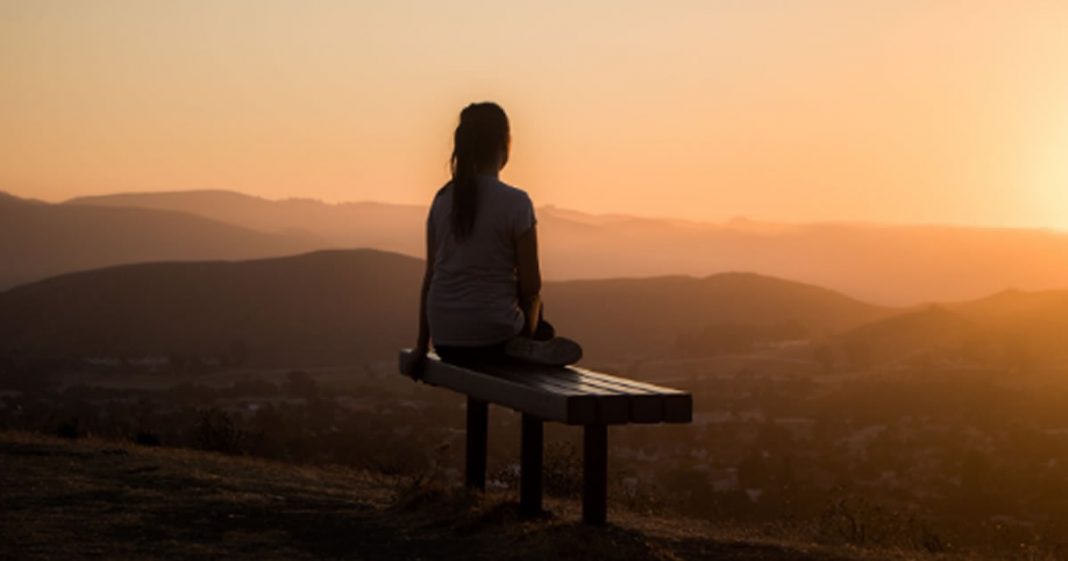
<point x="94" y="499"/>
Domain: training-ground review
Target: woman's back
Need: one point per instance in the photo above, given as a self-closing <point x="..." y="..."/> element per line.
<point x="480" y="298"/>
<point x="473" y="299"/>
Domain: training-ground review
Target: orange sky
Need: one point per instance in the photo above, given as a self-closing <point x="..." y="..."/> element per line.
<point x="953" y="112"/>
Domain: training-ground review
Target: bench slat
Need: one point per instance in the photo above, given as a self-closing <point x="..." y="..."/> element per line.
<point x="677" y="405"/>
<point x="644" y="406"/>
<point x="613" y="407"/>
<point x="608" y="406"/>
<point x="556" y="406"/>
<point x="648" y="403"/>
<point x="626" y="382"/>
<point x="570" y="395"/>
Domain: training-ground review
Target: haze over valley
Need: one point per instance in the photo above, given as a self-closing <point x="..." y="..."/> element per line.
<point x="896" y="265"/>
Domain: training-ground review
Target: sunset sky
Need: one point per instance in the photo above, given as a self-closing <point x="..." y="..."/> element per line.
<point x="949" y="112"/>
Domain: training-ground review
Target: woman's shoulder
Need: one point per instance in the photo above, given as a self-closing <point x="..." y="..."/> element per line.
<point x="441" y="196"/>
<point x="517" y="208"/>
<point x="440" y="200"/>
<point x="500" y="192"/>
<point x="513" y="193"/>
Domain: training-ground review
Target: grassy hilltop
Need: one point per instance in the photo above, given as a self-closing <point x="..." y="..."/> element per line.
<point x="97" y="499"/>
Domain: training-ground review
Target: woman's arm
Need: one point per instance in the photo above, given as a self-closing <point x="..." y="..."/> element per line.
<point x="422" y="341"/>
<point x="528" y="272"/>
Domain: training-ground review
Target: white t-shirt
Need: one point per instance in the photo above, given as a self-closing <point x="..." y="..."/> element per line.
<point x="473" y="298"/>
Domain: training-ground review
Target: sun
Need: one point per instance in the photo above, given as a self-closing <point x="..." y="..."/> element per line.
<point x="1049" y="175"/>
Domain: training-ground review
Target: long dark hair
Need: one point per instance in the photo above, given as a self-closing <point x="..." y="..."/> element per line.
<point x="482" y="135"/>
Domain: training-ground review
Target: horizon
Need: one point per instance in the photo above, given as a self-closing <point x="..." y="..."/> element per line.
<point x="757" y="220"/>
<point x="928" y="263"/>
<point x="827" y="112"/>
<point x="900" y="307"/>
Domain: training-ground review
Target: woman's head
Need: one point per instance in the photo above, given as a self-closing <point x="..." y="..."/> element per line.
<point x="480" y="144"/>
<point x="481" y="139"/>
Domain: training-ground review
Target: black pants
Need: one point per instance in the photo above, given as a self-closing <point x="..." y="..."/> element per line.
<point x="490" y="354"/>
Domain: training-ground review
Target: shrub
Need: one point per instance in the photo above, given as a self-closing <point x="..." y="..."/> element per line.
<point x="217" y="431"/>
<point x="146" y="439"/>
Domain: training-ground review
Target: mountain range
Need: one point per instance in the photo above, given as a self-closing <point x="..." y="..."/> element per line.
<point x="338" y="307"/>
<point x="39" y="240"/>
<point x="347" y="306"/>
<point x="888" y="264"/>
<point x="216" y="273"/>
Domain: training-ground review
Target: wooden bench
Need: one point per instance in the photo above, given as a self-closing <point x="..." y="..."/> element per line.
<point x="571" y="395"/>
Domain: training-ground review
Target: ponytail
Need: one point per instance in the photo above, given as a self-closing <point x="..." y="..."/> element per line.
<point x="480" y="137"/>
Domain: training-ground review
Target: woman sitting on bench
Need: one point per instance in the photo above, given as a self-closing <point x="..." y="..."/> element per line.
<point x="480" y="296"/>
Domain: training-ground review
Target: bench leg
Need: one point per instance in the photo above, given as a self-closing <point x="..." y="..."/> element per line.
<point x="477" y="426"/>
<point x="595" y="474"/>
<point x="530" y="466"/>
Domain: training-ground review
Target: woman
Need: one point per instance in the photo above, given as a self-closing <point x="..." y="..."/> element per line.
<point x="480" y="297"/>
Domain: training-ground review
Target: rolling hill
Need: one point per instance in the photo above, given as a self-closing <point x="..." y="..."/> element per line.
<point x="889" y="264"/>
<point x="1021" y="331"/>
<point x="346" y="306"/>
<point x="39" y="240"/>
<point x="388" y="227"/>
<point x="330" y="306"/>
<point x="617" y="316"/>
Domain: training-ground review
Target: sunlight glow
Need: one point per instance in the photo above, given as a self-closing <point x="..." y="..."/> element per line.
<point x="829" y="110"/>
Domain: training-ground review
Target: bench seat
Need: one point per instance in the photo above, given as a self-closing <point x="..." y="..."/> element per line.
<point x="569" y="395"/>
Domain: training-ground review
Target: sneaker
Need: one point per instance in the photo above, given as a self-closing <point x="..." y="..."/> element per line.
<point x="558" y="351"/>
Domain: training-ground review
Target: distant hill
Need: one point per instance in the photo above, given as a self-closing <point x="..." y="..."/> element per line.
<point x="894" y="265"/>
<point x="39" y="240"/>
<point x="616" y="316"/>
<point x="904" y="336"/>
<point x="1027" y="306"/>
<point x="325" y="307"/>
<point x="389" y="227"/>
<point x="346" y="306"/>
<point x="1025" y="331"/>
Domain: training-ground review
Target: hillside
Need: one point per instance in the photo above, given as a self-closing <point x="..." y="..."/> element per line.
<point x="326" y="307"/>
<point x="890" y="264"/>
<point x="1025" y="331"/>
<point x="96" y="499"/>
<point x="39" y="240"/>
<point x="347" y="306"/>
<point x="923" y="331"/>
<point x="616" y="316"/>
<point x="388" y="227"/>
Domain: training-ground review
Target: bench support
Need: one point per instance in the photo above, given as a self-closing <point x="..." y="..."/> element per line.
<point x="572" y="396"/>
<point x="477" y="427"/>
<point x="530" y="466"/>
<point x="595" y="474"/>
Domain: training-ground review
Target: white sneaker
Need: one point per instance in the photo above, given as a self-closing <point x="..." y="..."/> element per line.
<point x="558" y="351"/>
